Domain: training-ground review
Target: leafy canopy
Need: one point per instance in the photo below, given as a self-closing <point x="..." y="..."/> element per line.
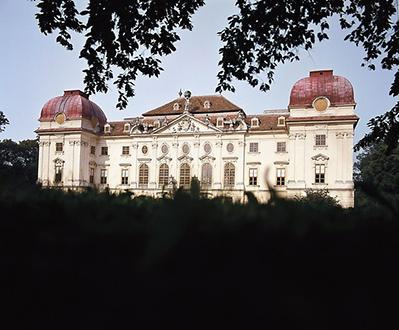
<point x="131" y="36"/>
<point x="3" y="121"/>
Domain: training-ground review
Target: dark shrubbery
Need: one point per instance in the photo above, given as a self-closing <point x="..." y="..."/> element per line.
<point x="100" y="261"/>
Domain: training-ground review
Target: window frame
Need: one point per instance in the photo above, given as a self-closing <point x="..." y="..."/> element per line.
<point x="229" y="175"/>
<point x="124" y="176"/>
<point x="103" y="176"/>
<point x="279" y="147"/>
<point x="144" y="173"/>
<point x="320" y="140"/>
<point x="58" y="173"/>
<point x="125" y="150"/>
<point x="163" y="175"/>
<point x="206" y="180"/>
<point x="104" y="151"/>
<point x="320" y="174"/>
<point x="280" y="176"/>
<point x="281" y="121"/>
<point x="253" y="147"/>
<point x="254" y="122"/>
<point x="91" y="175"/>
<point x="185" y="175"/>
<point x="253" y="176"/>
<point x="59" y="147"/>
<point x="92" y="150"/>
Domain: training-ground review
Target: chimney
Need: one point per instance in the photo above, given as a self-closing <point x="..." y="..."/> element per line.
<point x="75" y="92"/>
<point x="319" y="73"/>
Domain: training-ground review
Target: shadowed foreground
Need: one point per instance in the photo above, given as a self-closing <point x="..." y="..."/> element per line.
<point x="97" y="261"/>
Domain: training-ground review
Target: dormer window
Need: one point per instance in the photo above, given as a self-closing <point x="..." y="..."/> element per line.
<point x="107" y="128"/>
<point x="207" y="104"/>
<point x="281" y="121"/>
<point x="255" y="122"/>
<point x="176" y="106"/>
<point x="126" y="128"/>
<point x="219" y="122"/>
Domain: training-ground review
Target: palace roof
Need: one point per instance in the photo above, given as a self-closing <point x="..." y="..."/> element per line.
<point x="321" y="83"/>
<point x="75" y="105"/>
<point x="217" y="103"/>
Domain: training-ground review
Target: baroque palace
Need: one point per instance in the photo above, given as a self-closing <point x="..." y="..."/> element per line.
<point x="309" y="145"/>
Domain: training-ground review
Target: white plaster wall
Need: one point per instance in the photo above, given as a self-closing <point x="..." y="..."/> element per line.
<point x="297" y="160"/>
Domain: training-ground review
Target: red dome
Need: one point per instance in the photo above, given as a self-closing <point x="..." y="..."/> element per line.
<point x="322" y="83"/>
<point x="75" y="105"/>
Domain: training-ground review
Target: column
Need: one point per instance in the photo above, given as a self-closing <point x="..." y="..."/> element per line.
<point x="153" y="167"/>
<point x="134" y="181"/>
<point x="219" y="164"/>
<point x="340" y="163"/>
<point x="240" y="165"/>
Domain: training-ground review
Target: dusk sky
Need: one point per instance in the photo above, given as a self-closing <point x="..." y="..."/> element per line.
<point x="34" y="68"/>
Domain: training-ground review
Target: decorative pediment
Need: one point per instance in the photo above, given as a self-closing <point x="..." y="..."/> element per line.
<point x="320" y="158"/>
<point x="164" y="158"/>
<point x="207" y="158"/>
<point x="185" y="158"/>
<point x="186" y="124"/>
<point x="59" y="161"/>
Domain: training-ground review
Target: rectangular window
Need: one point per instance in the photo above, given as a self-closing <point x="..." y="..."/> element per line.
<point x="253" y="176"/>
<point x="104" y="151"/>
<point x="91" y="175"/>
<point x="93" y="150"/>
<point x="280" y="179"/>
<point x="103" y="176"/>
<point x="320" y="173"/>
<point x="253" y="147"/>
<point x="125" y="176"/>
<point x="58" y="174"/>
<point x="59" y="146"/>
<point x="320" y="140"/>
<point x="125" y="150"/>
<point x="281" y="147"/>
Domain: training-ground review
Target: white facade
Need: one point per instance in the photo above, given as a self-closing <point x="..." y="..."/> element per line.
<point x="228" y="151"/>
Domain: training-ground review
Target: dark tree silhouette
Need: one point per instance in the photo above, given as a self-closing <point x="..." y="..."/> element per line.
<point x="3" y="121"/>
<point x="132" y="36"/>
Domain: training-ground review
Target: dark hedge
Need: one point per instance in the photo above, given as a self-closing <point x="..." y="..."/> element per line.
<point x="99" y="261"/>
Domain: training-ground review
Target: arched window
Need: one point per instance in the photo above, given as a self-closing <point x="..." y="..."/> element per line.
<point x="176" y="106"/>
<point x="126" y="128"/>
<point x="185" y="175"/>
<point x="143" y="175"/>
<point x="229" y="175"/>
<point x="163" y="175"/>
<point x="207" y="104"/>
<point x="206" y="176"/>
<point x="58" y="173"/>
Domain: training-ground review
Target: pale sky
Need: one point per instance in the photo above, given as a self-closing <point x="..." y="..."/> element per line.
<point x="34" y="68"/>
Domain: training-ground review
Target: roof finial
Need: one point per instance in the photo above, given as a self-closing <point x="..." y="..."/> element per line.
<point x="180" y="93"/>
<point x="187" y="95"/>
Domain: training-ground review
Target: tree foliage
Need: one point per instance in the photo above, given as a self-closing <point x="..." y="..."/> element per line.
<point x="18" y="162"/>
<point x="3" y="121"/>
<point x="133" y="35"/>
<point x="377" y="177"/>
<point x="103" y="261"/>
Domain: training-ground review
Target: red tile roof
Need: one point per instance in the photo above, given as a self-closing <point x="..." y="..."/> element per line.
<point x="266" y="122"/>
<point x="322" y="83"/>
<point x="217" y="104"/>
<point x="75" y="105"/>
